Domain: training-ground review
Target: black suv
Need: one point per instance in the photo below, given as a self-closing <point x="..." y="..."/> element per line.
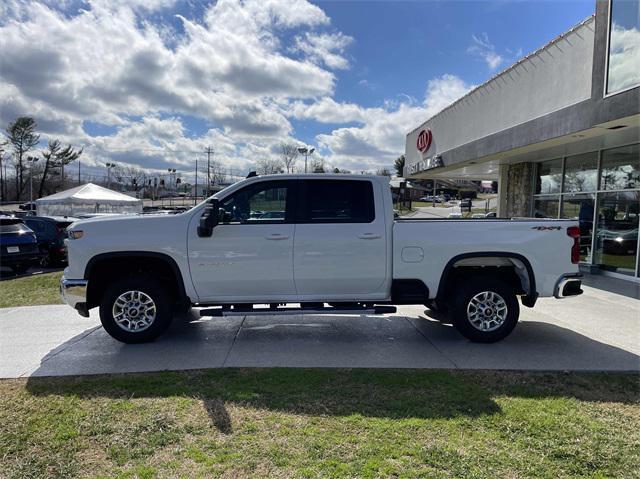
<point x="50" y="232"/>
<point x="18" y="245"/>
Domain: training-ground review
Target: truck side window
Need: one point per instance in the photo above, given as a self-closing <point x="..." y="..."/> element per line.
<point x="338" y="201"/>
<point x="259" y="203"/>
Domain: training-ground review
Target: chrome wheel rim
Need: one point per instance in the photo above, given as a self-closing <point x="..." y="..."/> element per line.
<point x="487" y="311"/>
<point x="134" y="311"/>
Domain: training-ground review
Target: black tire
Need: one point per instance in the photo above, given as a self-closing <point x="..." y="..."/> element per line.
<point x="155" y="291"/>
<point x="463" y="295"/>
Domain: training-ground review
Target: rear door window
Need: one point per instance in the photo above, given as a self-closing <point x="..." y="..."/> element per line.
<point x="336" y="201"/>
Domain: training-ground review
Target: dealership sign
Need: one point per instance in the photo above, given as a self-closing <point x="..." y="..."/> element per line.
<point x="423" y="143"/>
<point x="426" y="164"/>
<point x="425" y="137"/>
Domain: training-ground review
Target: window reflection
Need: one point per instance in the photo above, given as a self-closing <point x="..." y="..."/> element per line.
<point x="617" y="231"/>
<point x="621" y="168"/>
<point x="581" y="172"/>
<point x="624" y="45"/>
<point x="549" y="176"/>
<point x="546" y="207"/>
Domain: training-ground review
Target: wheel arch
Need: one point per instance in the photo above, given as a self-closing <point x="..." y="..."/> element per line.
<point x="133" y="261"/>
<point x="522" y="267"/>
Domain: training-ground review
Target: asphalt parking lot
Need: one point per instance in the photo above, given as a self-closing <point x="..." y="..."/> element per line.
<point x="598" y="331"/>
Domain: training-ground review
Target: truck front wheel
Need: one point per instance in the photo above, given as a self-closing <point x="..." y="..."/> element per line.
<point x="136" y="309"/>
<point x="484" y="309"/>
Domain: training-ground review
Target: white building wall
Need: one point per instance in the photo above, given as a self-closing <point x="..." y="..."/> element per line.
<point x="557" y="76"/>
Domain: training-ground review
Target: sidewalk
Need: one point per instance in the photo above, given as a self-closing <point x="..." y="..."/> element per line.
<point x="598" y="331"/>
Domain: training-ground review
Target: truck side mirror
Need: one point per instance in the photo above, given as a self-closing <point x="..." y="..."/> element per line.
<point x="209" y="218"/>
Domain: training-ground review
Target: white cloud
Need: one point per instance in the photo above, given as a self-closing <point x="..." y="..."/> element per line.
<point x="624" y="59"/>
<point x="381" y="137"/>
<point x="102" y="64"/>
<point x="482" y="47"/>
<point x="228" y="70"/>
<point x="327" y="110"/>
<point x="324" y="48"/>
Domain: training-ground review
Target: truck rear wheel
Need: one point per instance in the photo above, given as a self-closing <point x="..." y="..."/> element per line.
<point x="136" y="309"/>
<point x="484" y="309"/>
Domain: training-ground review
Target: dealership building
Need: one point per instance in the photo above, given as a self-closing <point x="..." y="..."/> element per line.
<point x="560" y="132"/>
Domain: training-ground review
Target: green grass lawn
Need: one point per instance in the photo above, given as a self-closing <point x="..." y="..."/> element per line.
<point x="36" y="289"/>
<point x="322" y="423"/>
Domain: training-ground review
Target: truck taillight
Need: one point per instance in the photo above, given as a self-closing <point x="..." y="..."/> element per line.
<point x="574" y="232"/>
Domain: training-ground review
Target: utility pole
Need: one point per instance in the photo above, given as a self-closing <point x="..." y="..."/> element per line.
<point x="195" y="196"/>
<point x="209" y="151"/>
<point x="32" y="160"/>
<point x="79" y="181"/>
<point x="1" y="177"/>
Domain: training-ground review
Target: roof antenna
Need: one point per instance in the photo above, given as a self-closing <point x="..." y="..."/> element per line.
<point x="252" y="174"/>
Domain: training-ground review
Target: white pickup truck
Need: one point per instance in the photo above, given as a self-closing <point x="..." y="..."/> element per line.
<point x="291" y="244"/>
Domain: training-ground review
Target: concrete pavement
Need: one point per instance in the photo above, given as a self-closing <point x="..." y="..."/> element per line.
<point x="598" y="331"/>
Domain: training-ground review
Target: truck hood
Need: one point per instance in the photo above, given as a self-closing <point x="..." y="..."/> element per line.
<point x="130" y="230"/>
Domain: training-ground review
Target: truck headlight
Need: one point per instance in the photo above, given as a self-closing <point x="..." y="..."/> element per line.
<point x="76" y="234"/>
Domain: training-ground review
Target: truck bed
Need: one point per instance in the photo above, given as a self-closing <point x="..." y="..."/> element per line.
<point x="424" y="248"/>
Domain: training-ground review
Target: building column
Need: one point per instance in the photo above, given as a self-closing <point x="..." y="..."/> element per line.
<point x="502" y="191"/>
<point x="515" y="190"/>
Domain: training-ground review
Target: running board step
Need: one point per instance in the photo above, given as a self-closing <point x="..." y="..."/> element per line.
<point x="291" y="311"/>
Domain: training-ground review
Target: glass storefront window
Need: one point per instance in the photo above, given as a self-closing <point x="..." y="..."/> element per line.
<point x="546" y="206"/>
<point x="621" y="168"/>
<point x="580" y="207"/>
<point x="549" y="177"/>
<point x="616" y="240"/>
<point x="581" y="172"/>
<point x="624" y="45"/>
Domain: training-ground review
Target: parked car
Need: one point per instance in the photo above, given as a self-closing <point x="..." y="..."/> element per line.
<point x="28" y="206"/>
<point x="455" y="215"/>
<point x="18" y="245"/>
<point x="465" y="203"/>
<point x="51" y="231"/>
<point x="338" y="243"/>
<point x="618" y="242"/>
<point x="491" y="214"/>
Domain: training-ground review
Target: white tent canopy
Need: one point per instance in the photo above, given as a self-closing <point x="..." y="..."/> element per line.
<point x="88" y="198"/>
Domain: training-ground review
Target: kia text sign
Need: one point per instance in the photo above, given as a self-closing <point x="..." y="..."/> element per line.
<point x="424" y="140"/>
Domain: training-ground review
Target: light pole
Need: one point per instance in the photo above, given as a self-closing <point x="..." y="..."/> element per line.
<point x="306" y="151"/>
<point x="172" y="175"/>
<point x="109" y="166"/>
<point x="32" y="160"/>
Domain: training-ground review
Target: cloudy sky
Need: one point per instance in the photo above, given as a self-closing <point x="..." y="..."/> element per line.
<point x="154" y="82"/>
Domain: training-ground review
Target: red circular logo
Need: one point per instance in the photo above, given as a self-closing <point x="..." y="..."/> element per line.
<point x="424" y="140"/>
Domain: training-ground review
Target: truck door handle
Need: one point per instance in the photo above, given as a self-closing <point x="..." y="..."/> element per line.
<point x="369" y="236"/>
<point x="277" y="236"/>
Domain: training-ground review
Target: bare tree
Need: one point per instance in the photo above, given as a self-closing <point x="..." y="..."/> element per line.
<point x="132" y="177"/>
<point x="217" y="174"/>
<point x="341" y="171"/>
<point x="289" y="156"/>
<point x="317" y="165"/>
<point x="56" y="157"/>
<point x="22" y="136"/>
<point x="269" y="166"/>
<point x="383" y="172"/>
